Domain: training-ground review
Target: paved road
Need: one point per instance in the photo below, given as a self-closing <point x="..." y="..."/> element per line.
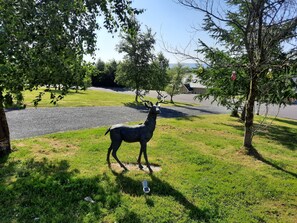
<point x="33" y="122"/>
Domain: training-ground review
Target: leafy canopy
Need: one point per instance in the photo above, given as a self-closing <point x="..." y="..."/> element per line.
<point x="43" y="42"/>
<point x="140" y="68"/>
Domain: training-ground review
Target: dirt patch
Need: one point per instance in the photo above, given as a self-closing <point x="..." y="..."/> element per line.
<point x="134" y="167"/>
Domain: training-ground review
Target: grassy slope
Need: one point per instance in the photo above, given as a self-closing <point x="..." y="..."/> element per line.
<point x="89" y="98"/>
<point x="82" y="98"/>
<point x="205" y="176"/>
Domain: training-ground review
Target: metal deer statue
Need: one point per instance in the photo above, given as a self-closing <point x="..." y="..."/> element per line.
<point x="141" y="133"/>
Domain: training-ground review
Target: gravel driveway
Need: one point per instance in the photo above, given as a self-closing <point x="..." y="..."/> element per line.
<point x="33" y="122"/>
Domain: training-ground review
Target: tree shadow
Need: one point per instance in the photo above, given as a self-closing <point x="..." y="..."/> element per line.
<point x="116" y="89"/>
<point x="3" y="157"/>
<point x="282" y="134"/>
<point x="71" y="91"/>
<point x="46" y="191"/>
<point x="254" y="153"/>
<point x="161" y="188"/>
<point x="165" y="111"/>
<point x="136" y="105"/>
<point x="287" y="121"/>
<point x="183" y="104"/>
<point x="168" y="112"/>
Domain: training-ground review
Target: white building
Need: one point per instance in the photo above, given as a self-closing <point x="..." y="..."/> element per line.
<point x="192" y="85"/>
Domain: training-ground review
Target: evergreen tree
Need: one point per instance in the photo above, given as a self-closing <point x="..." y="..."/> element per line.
<point x="256" y="37"/>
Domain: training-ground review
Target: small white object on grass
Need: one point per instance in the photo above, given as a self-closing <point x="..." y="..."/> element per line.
<point x="89" y="199"/>
<point x="145" y="187"/>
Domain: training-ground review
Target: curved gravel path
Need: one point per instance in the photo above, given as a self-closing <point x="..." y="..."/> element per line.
<point x="33" y="122"/>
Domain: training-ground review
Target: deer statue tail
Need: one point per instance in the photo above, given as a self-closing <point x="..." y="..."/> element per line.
<point x="108" y="130"/>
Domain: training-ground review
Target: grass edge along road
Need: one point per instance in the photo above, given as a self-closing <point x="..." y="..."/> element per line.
<point x="88" y="98"/>
<point x="205" y="176"/>
<point x="79" y="99"/>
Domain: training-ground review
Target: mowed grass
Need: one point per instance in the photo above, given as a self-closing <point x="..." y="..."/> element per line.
<point x="80" y="98"/>
<point x="206" y="176"/>
<point x="89" y="98"/>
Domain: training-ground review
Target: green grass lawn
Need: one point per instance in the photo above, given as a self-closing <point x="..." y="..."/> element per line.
<point x="82" y="98"/>
<point x="205" y="176"/>
<point x="89" y="98"/>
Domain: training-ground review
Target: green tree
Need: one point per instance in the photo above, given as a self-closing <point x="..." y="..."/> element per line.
<point x="159" y="75"/>
<point x="176" y="75"/>
<point x="99" y="72"/>
<point x="110" y="73"/>
<point x="227" y="86"/>
<point x="105" y="75"/>
<point x="259" y="33"/>
<point x="42" y="43"/>
<point x="134" y="70"/>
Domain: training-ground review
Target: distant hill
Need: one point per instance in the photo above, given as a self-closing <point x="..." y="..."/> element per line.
<point x="191" y="65"/>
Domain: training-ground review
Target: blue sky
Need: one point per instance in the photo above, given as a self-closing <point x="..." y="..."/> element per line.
<point x="169" y="20"/>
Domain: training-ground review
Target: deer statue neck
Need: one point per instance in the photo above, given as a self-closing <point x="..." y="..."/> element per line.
<point x="151" y="121"/>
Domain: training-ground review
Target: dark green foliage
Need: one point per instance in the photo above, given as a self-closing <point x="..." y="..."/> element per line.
<point x="141" y="69"/>
<point x="43" y="43"/>
<point x="254" y="37"/>
<point x="104" y="75"/>
<point x="159" y="73"/>
<point x="134" y="70"/>
<point x="176" y="75"/>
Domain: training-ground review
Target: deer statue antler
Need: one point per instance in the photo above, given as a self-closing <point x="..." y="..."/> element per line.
<point x="147" y="103"/>
<point x="161" y="97"/>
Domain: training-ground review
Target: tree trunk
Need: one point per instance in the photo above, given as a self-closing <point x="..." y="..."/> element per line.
<point x="234" y="112"/>
<point x="171" y="99"/>
<point x="4" y="134"/>
<point x="136" y="94"/>
<point x="249" y="118"/>
<point x="136" y="97"/>
<point x="242" y="116"/>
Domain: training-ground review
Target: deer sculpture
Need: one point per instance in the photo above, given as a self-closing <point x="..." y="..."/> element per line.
<point x="141" y="133"/>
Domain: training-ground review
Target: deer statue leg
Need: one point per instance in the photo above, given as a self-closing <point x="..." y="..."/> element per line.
<point x="108" y="155"/>
<point x="143" y="148"/>
<point x="115" y="146"/>
<point x="139" y="158"/>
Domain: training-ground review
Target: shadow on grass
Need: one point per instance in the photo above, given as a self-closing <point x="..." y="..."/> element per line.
<point x="161" y="188"/>
<point x="254" y="153"/>
<point x="165" y="111"/>
<point x="287" y="121"/>
<point x="282" y="134"/>
<point x="69" y="92"/>
<point x="45" y="191"/>
<point x="181" y="104"/>
<point x="173" y="111"/>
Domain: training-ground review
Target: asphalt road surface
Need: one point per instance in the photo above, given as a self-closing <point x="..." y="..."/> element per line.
<point x="34" y="122"/>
